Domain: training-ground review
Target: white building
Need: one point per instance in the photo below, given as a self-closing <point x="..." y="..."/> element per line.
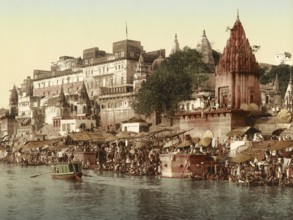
<point x="283" y="58"/>
<point x="75" y="125"/>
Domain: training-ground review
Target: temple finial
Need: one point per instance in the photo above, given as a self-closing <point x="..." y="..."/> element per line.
<point x="237" y="14"/>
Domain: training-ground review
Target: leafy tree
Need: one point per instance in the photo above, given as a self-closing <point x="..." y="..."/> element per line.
<point x="216" y="56"/>
<point x="283" y="72"/>
<point x="171" y="83"/>
<point x="264" y="77"/>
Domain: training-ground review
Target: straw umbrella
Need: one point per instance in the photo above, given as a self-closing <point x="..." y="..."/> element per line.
<point x="205" y="142"/>
<point x="123" y="135"/>
<point x="184" y="144"/>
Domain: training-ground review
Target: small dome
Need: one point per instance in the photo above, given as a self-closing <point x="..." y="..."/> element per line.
<point x="157" y="62"/>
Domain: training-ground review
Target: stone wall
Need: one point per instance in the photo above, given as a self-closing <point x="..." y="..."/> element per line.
<point x="115" y="116"/>
<point x="218" y="122"/>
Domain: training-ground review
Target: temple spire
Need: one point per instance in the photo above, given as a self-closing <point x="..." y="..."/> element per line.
<point x="276" y="83"/>
<point x="62" y="98"/>
<point x="175" y="46"/>
<point x="237" y="14"/>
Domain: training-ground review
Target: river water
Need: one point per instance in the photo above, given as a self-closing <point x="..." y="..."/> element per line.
<point x="106" y="195"/>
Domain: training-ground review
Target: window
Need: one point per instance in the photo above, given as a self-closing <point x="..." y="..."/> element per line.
<point x="122" y="54"/>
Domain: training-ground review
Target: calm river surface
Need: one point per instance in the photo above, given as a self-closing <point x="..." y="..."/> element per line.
<point x="109" y="196"/>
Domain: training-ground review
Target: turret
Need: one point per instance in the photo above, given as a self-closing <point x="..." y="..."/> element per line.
<point x="140" y="74"/>
<point x="13" y="102"/>
<point x="205" y="49"/>
<point x="175" y="45"/>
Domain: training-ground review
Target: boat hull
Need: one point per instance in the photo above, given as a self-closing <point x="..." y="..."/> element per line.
<point x="67" y="171"/>
<point x="66" y="176"/>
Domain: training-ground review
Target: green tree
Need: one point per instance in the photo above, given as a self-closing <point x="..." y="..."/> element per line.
<point x="264" y="76"/>
<point x="216" y="56"/>
<point x="283" y="72"/>
<point x="171" y="83"/>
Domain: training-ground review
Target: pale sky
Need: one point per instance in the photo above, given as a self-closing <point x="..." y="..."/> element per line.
<point x="35" y="33"/>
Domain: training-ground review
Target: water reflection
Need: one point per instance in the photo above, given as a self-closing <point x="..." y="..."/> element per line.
<point x="106" y="195"/>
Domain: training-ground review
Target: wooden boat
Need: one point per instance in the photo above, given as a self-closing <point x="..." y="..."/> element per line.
<point x="67" y="171"/>
<point x="193" y="166"/>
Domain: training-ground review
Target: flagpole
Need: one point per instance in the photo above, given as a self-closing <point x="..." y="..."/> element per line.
<point x="126" y="32"/>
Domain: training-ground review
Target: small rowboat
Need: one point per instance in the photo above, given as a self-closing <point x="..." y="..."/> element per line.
<point x="67" y="171"/>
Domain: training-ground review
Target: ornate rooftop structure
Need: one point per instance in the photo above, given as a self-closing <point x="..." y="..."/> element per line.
<point x="205" y="49"/>
<point x="237" y="72"/>
<point x="175" y="46"/>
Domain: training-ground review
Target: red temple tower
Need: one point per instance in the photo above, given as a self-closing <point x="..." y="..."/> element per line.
<point x="237" y="72"/>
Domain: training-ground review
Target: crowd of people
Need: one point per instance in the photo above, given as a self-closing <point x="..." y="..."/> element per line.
<point x="126" y="157"/>
<point x="271" y="171"/>
<point x="128" y="160"/>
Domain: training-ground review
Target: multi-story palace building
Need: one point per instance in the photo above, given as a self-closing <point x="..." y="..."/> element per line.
<point x="109" y="80"/>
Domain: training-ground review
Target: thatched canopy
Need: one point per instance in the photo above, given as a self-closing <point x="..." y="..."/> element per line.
<point x="142" y="134"/>
<point x="242" y="157"/>
<point x="284" y="116"/>
<point x="40" y="144"/>
<point x="240" y="131"/>
<point x="184" y="144"/>
<point x="95" y="137"/>
<point x="257" y="149"/>
<point x="279" y="145"/>
<point x="171" y="143"/>
<point x="123" y="135"/>
<point x="108" y="136"/>
<point x="195" y="139"/>
<point x="244" y="107"/>
<point x="205" y="142"/>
